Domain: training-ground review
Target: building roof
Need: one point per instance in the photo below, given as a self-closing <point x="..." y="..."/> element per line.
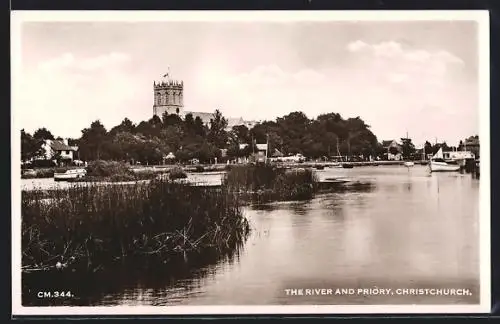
<point x="277" y="153"/>
<point x="387" y="143"/>
<point x="60" y="146"/>
<point x="261" y="147"/>
<point x="231" y="121"/>
<point x="204" y="116"/>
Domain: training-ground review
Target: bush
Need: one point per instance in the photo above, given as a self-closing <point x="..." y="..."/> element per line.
<point x="199" y="168"/>
<point x="177" y="173"/>
<point x="108" y="168"/>
<point x="43" y="164"/>
<point x="272" y="182"/>
<point x="122" y="177"/>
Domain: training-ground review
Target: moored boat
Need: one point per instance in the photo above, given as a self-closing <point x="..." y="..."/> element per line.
<point x="439" y="164"/>
<point x="70" y="174"/>
<point x="409" y="164"/>
<point x="347" y="165"/>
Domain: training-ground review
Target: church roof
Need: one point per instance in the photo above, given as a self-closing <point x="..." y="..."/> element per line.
<point x="204" y="116"/>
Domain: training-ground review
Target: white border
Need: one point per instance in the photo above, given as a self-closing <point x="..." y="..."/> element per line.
<point x="482" y="17"/>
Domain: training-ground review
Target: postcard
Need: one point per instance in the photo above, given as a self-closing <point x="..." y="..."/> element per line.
<point x="250" y="162"/>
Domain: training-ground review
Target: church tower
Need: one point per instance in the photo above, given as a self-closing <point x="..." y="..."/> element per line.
<point x="168" y="96"/>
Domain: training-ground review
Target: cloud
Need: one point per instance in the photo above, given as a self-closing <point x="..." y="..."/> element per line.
<point x="388" y="89"/>
<point x="398" y="77"/>
<point x="357" y="46"/>
<point x="387" y="49"/>
<point x="398" y="63"/>
<point x="73" y="91"/>
<point x="68" y="61"/>
<point x="392" y="49"/>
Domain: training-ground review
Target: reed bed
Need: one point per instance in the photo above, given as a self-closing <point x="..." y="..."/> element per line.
<point x="266" y="183"/>
<point x="90" y="226"/>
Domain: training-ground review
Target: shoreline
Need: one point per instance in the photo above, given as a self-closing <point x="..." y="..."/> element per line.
<point x="44" y="173"/>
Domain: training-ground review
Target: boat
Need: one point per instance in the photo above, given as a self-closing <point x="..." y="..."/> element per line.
<point x="70" y="174"/>
<point x="439" y="164"/>
<point x="409" y="164"/>
<point x="342" y="164"/>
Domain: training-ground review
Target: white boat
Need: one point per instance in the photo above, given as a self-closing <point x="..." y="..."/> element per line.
<point x="409" y="164"/>
<point x="439" y="164"/>
<point x="70" y="174"/>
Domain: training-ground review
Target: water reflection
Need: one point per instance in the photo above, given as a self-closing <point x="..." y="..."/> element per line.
<point x="391" y="227"/>
<point x="138" y="281"/>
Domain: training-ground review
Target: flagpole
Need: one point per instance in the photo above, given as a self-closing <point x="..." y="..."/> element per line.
<point x="267" y="145"/>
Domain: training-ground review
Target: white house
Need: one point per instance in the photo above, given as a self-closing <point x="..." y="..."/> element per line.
<point x="52" y="148"/>
<point x="392" y="145"/>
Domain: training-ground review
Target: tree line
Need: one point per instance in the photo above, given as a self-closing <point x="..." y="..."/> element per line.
<point x="150" y="141"/>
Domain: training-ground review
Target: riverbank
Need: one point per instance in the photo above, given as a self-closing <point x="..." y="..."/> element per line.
<point x="87" y="227"/>
<point x="139" y="172"/>
<point x="348" y="235"/>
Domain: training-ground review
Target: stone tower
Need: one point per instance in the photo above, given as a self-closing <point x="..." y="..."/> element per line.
<point x="168" y="96"/>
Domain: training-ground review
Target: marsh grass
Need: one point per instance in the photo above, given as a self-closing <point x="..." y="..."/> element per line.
<point x="92" y="225"/>
<point x="267" y="183"/>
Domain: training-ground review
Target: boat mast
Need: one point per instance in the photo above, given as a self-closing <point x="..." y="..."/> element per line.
<point x="338" y="151"/>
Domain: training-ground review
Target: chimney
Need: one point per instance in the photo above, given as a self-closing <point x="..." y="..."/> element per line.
<point x="65" y="141"/>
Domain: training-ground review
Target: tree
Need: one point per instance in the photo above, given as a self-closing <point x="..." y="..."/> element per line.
<point x="171" y="119"/>
<point x="217" y="134"/>
<point x="43" y="134"/>
<point x="408" y="148"/>
<point x="125" y="126"/>
<point x="30" y="146"/>
<point x="240" y="134"/>
<point x="92" y="141"/>
<point x="189" y="127"/>
<point x="199" y="127"/>
<point x="427" y="149"/>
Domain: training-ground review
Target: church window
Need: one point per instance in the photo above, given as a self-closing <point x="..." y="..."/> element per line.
<point x="158" y="98"/>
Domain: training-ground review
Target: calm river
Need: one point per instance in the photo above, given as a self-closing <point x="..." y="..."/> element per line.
<point x="407" y="229"/>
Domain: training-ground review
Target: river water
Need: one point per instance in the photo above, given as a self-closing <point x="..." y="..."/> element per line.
<point x="407" y="229"/>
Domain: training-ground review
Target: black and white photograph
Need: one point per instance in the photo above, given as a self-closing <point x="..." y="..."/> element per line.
<point x="250" y="162"/>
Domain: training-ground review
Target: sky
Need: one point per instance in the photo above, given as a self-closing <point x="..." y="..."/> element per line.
<point x="415" y="77"/>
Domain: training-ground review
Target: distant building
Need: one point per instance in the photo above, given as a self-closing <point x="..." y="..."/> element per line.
<point x="471" y="144"/>
<point x="168" y="95"/>
<point x="204" y="116"/>
<point x="393" y="150"/>
<point x="55" y="148"/>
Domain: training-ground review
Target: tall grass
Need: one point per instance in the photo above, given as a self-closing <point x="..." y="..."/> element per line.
<point x="90" y="226"/>
<point x="267" y="182"/>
